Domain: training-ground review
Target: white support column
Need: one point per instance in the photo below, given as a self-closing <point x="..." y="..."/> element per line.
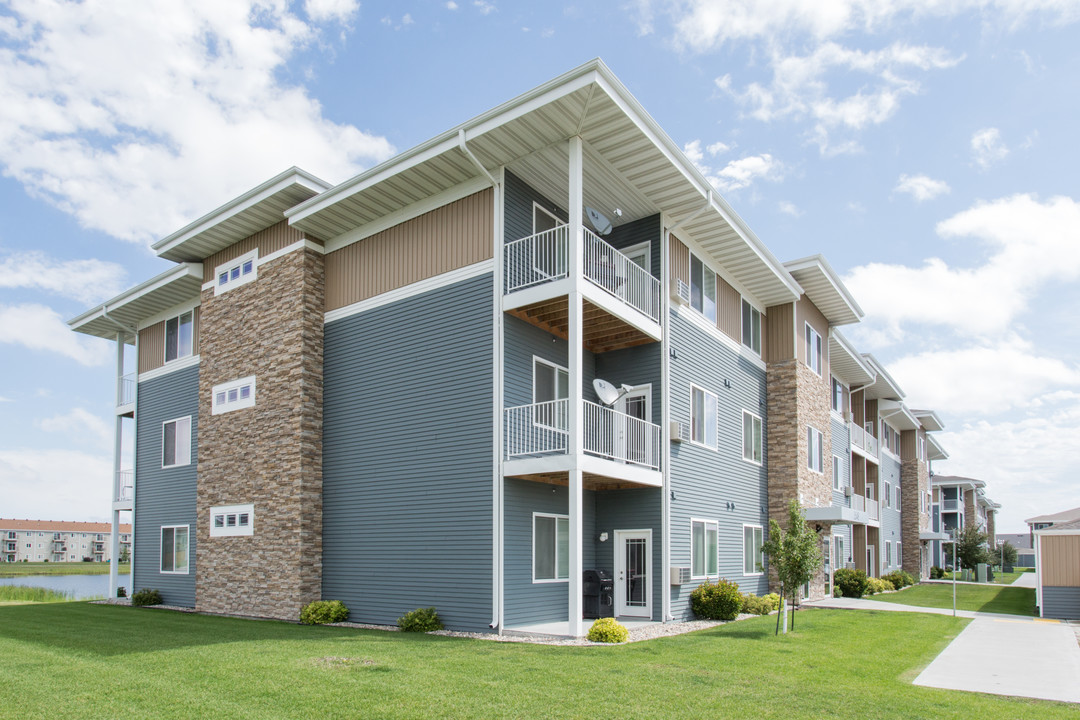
<point x="575" y="362"/>
<point x="118" y="429"/>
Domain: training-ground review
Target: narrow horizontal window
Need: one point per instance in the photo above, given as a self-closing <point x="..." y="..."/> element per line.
<point x="234" y="395"/>
<point x="232" y="520"/>
<point x="236" y="272"/>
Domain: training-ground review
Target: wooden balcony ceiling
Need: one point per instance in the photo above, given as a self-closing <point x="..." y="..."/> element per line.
<point x="603" y="332"/>
<point x="589" y="481"/>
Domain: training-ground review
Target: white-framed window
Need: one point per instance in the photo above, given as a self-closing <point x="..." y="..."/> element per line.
<point x="899" y="555"/>
<point x="751" y="437"/>
<point x="751" y="327"/>
<point x="176" y="442"/>
<point x="640" y="255"/>
<point x="551" y="548"/>
<point x="898" y="505"/>
<point x="236" y="272"/>
<point x="839" y="559"/>
<point x="180" y="336"/>
<point x="753" y="561"/>
<point x="813" y="349"/>
<point x="837" y="402"/>
<point x="837" y="473"/>
<point x="233" y="395"/>
<point x="704" y="559"/>
<point x="815" y="449"/>
<point x="544" y="219"/>
<point x="702" y="288"/>
<point x="174" y="549"/>
<point x="550" y="382"/>
<point x="226" y="520"/>
<point x="703" y="417"/>
<point x="888" y="553"/>
<point x="921" y="448"/>
<point x="888" y="494"/>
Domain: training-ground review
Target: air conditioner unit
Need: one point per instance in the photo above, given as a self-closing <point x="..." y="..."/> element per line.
<point x="682" y="292"/>
<point x="847" y="491"/>
<point x="680" y="431"/>
<point x="680" y="575"/>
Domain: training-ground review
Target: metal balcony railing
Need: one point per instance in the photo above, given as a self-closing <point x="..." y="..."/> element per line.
<point x="125" y="485"/>
<point x="125" y="393"/>
<point x="863" y="440"/>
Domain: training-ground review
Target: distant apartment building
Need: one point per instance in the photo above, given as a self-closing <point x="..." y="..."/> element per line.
<point x="959" y="502"/>
<point x="58" y="541"/>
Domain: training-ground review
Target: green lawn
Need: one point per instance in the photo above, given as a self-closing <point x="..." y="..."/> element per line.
<point x="999" y="577"/>
<point x="979" y="598"/>
<point x="90" y="661"/>
<point x="66" y="568"/>
<point x="24" y="594"/>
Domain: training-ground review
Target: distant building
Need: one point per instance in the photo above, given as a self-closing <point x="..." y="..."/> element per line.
<point x="1042" y="522"/>
<point x="58" y="541"/>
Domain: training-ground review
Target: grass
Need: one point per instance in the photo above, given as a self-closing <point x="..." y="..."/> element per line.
<point x="24" y="594"/>
<point x="99" y="661"/>
<point x="978" y="598"/>
<point x="1000" y="578"/>
<point x="68" y="568"/>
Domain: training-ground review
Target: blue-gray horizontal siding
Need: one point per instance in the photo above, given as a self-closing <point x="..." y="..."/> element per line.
<point x="841" y="449"/>
<point x="521" y="343"/>
<point x="715" y="484"/>
<point x="646" y="229"/>
<point x="637" y="509"/>
<point x="165" y="496"/>
<point x="1062" y="603"/>
<point x="518" y="208"/>
<point x="407" y="457"/>
<point x="889" y="472"/>
<point x="635" y="366"/>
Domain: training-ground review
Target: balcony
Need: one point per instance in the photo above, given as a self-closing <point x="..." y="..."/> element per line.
<point x="866" y="505"/>
<point x="622" y="300"/>
<point x="948" y="505"/>
<point x="125" y="393"/>
<point x="621" y="450"/>
<point x="863" y="442"/>
<point x="125" y="486"/>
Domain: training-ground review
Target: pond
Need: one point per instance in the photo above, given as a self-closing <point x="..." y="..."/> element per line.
<point x="81" y="587"/>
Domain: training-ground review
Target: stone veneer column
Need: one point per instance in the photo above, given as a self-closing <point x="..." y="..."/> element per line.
<point x="914" y="481"/>
<point x="270" y="454"/>
<point x="797" y="397"/>
<point x="970" y="516"/>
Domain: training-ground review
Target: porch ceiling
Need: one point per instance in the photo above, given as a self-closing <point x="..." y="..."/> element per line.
<point x="603" y="332"/>
<point x="590" y="481"/>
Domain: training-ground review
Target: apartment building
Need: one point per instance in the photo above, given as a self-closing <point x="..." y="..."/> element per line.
<point x="536" y="344"/>
<point x="57" y="541"/>
<point x="957" y="503"/>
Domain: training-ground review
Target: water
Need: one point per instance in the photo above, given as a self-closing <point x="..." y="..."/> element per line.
<point x="80" y="587"/>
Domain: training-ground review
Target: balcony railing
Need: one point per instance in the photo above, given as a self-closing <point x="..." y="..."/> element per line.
<point x="126" y="390"/>
<point x="866" y="505"/>
<point x="125" y="485"/>
<point x="539" y="429"/>
<point x="948" y="505"/>
<point x="542" y="258"/>
<point x="863" y="440"/>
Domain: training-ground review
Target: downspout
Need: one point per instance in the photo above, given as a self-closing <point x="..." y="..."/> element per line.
<point x="665" y="419"/>
<point x="690" y="218"/>
<point x="468" y="153"/>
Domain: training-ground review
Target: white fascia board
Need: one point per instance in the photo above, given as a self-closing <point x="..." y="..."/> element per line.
<point x="141" y="290"/>
<point x="854" y="354"/>
<point x="282" y="181"/>
<point x="819" y="263"/>
<point x="929" y="420"/>
<point x="884" y="375"/>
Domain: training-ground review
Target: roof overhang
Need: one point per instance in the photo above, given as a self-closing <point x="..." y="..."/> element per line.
<point x="846" y="363"/>
<point x="884" y="386"/>
<point x="836" y="515"/>
<point x="255" y="210"/>
<point x="929" y="420"/>
<point x="898" y="415"/>
<point x="934" y="449"/>
<point x="123" y="313"/>
<point x="956" y="481"/>
<point x="825" y="289"/>
<point x="931" y="536"/>
<point x="629" y="163"/>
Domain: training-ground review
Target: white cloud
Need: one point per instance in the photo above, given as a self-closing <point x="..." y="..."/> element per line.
<point x="736" y="174"/>
<point x="331" y="10"/>
<point x="789" y="208"/>
<point x="56" y="484"/>
<point x="451" y="5"/>
<point x="406" y="19"/>
<point x="921" y="187"/>
<point x="181" y="105"/>
<point x="83" y="280"/>
<point x="485" y="8"/>
<point x="1024" y="246"/>
<point x="987" y="147"/>
<point x="718" y="148"/>
<point x="80" y="424"/>
<point x="41" y="328"/>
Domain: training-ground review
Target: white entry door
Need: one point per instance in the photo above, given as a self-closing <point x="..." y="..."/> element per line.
<point x="633" y="571"/>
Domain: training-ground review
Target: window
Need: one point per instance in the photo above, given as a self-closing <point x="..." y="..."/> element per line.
<point x="544" y="219"/>
<point x="228" y="520"/>
<point x="174" y="549"/>
<point x="179" y="335"/>
<point x="551" y="547"/>
<point x="640" y="255"/>
<point x="898" y="497"/>
<point x="176" y="442"/>
<point x="888" y="553"/>
<point x="840" y="560"/>
<point x="888" y="494"/>
<point x="703" y="417"/>
<point x="899" y="555"/>
<point x="237" y="272"/>
<point x="550" y="382"/>
<point x="751" y="437"/>
<point x="753" y="561"/>
<point x="751" y="327"/>
<point x="234" y="395"/>
<point x="815" y="458"/>
<point x="703" y="548"/>
<point x="837" y="478"/>
<point x="837" y="397"/>
<point x="813" y="349"/>
<point x="702" y="288"/>
<point x="921" y="449"/>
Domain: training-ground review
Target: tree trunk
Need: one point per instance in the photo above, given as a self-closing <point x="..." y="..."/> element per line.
<point x="780" y="609"/>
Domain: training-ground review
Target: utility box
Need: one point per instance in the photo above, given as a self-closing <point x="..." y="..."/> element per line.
<point x="980" y="572"/>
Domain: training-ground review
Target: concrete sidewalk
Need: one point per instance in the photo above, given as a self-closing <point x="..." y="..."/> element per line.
<point x="1025" y="580"/>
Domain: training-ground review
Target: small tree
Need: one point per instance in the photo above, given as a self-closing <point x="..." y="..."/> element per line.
<point x="125" y="555"/>
<point x="1007" y="553"/>
<point x="971" y="548"/>
<point x="795" y="555"/>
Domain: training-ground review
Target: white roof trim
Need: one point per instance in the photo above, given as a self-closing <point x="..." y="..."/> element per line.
<point x="819" y="264"/>
<point x="884" y="376"/>
<point x="929" y="420"/>
<point x="853" y="354"/>
<point x="139" y="292"/>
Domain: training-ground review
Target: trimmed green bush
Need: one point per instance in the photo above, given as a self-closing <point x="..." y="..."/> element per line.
<point x="121" y="591"/>
<point x="852" y="583"/>
<point x="878" y="585"/>
<point x="608" y="630"/>
<point x="837" y="592"/>
<point x="322" y="612"/>
<point x="146" y="596"/>
<point x="937" y="573"/>
<point x="899" y="579"/>
<point x="420" y="620"/>
<point x="754" y="605"/>
<point x="721" y="601"/>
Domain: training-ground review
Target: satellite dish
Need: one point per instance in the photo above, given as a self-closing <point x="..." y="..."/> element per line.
<point x="607" y="392"/>
<point x="601" y="223"/>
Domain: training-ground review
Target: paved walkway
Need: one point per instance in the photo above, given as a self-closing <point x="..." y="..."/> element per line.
<point x="1025" y="580"/>
<point x="997" y="654"/>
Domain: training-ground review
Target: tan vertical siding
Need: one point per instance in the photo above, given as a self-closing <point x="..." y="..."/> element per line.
<point x="871" y="416"/>
<point x="679" y="255"/>
<point x="807" y="312"/>
<point x="729" y="314"/>
<point x="272" y="239"/>
<point x="152" y="347"/>
<point x="779" y="335"/>
<point x="858" y="474"/>
<point x="858" y="409"/>
<point x="908" y="444"/>
<point x="450" y="237"/>
<point x="1060" y="560"/>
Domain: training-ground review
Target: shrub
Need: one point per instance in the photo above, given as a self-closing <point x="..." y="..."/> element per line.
<point x="852" y="583"/>
<point x="121" y="591"/>
<point x="837" y="592"/>
<point x="899" y="579"/>
<point x="721" y="601"/>
<point x="878" y="585"/>
<point x="146" y="596"/>
<point x="322" y="612"/>
<point x="420" y="620"/>
<point x="754" y="605"/>
<point x="608" y="630"/>
<point x="937" y="573"/>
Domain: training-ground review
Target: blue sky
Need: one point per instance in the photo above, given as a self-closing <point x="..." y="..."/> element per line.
<point x="927" y="149"/>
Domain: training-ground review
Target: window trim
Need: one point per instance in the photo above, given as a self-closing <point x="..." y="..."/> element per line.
<point x="165" y="336"/>
<point x="243" y="278"/>
<point x="532" y="545"/>
<point x="896" y="490"/>
<point x="176" y="444"/>
<point x="838" y="480"/>
<point x="760" y="556"/>
<point x="813" y="349"/>
<point x="237" y="530"/>
<point x="834" y="386"/>
<point x="716" y="398"/>
<point x="843" y="552"/>
<point x="537" y="206"/>
<point x="638" y="247"/>
<point x="220" y="408"/>
<point x="716" y="547"/>
<point x="811" y="432"/>
<point x="899" y="556"/>
<point x="746" y="304"/>
<point x="706" y="270"/>
<point x="760" y="437"/>
<point x="161" y="544"/>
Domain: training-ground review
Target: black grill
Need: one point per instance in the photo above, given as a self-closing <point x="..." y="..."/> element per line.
<point x="598" y="590"/>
